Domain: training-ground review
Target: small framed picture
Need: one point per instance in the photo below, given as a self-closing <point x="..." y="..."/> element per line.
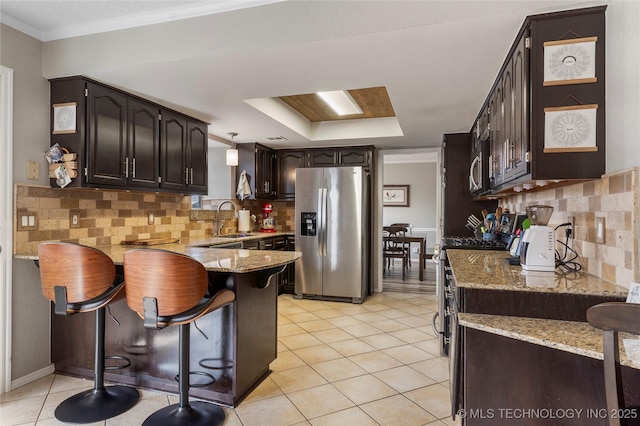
<point x="570" y="61"/>
<point x="395" y="196"/>
<point x="570" y="129"/>
<point x="64" y="118"/>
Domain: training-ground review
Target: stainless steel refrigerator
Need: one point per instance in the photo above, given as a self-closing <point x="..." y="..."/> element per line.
<point x="332" y="232"/>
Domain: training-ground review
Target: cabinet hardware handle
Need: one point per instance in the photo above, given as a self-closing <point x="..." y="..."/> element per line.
<point x="186" y="175"/>
<point x="133" y="166"/>
<point x="191" y="171"/>
<point x="126" y="168"/>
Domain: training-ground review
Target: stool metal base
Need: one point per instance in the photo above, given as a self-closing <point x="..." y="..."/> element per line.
<point x="95" y="405"/>
<point x="196" y="413"/>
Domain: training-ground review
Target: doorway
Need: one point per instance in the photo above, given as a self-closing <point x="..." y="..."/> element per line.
<point x="415" y="175"/>
<point x="6" y="224"/>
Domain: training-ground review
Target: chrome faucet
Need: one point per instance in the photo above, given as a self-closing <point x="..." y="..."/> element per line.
<point x="219" y="219"/>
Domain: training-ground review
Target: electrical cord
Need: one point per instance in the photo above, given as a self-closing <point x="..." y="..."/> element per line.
<point x="567" y="262"/>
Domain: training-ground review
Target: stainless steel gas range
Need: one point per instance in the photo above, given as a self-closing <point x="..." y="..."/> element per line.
<point x="445" y="320"/>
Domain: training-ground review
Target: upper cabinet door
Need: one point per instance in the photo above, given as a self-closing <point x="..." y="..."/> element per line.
<point x="520" y="131"/>
<point x="197" y="162"/>
<point x="355" y="157"/>
<point x="107" y="136"/>
<point x="173" y="146"/>
<point x="323" y="158"/>
<point x="288" y="162"/>
<point x="144" y="148"/>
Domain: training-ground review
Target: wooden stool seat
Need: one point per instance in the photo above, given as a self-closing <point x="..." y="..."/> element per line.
<point x="169" y="289"/>
<point x="614" y="317"/>
<point x="79" y="279"/>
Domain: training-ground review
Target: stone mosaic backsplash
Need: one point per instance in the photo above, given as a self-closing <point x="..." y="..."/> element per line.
<point x="108" y="217"/>
<point x="614" y="197"/>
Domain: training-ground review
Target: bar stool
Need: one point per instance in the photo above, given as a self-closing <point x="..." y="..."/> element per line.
<point x="169" y="289"/>
<point x="80" y="279"/>
<point x="614" y="317"/>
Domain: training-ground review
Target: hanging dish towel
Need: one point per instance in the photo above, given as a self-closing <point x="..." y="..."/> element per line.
<point x="244" y="189"/>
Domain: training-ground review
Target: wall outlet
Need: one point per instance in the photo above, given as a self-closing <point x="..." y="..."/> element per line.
<point x="33" y="170"/>
<point x="74" y="219"/>
<point x="151" y="218"/>
<point x="600" y="230"/>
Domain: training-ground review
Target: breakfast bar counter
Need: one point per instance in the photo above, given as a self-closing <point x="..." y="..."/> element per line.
<point x="522" y="344"/>
<point x="234" y="344"/>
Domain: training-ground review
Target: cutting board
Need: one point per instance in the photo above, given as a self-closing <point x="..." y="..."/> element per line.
<point x="150" y="241"/>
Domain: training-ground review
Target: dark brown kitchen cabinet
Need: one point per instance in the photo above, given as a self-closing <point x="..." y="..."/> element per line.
<point x="106" y="136"/>
<point x="330" y="157"/>
<point x="458" y="201"/>
<point x="287" y="162"/>
<point x="259" y="163"/>
<point x="143" y="153"/>
<point x="183" y="150"/>
<point x="521" y="157"/>
<point x="355" y="157"/>
<point x="496" y="136"/>
<point x="121" y="142"/>
<point x="322" y="158"/>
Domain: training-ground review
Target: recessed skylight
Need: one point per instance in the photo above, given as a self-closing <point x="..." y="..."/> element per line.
<point x="340" y="102"/>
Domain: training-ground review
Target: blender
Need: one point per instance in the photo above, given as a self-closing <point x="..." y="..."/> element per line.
<point x="537" y="252"/>
<point x="268" y="224"/>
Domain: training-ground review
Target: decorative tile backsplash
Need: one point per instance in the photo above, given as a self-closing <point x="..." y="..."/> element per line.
<point x="614" y="197"/>
<point x="108" y="217"/>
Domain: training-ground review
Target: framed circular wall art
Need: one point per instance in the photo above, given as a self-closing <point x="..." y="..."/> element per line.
<point x="570" y="61"/>
<point x="64" y="118"/>
<point x="570" y="129"/>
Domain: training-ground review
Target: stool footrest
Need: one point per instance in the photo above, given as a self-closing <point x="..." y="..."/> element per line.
<point x="127" y="362"/>
<point x="198" y="373"/>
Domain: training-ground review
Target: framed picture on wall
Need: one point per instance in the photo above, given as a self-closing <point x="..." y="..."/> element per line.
<point x="570" y="61"/>
<point x="570" y="129"/>
<point x="395" y="196"/>
<point x="64" y="118"/>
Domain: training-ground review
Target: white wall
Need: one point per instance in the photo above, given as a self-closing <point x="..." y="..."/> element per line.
<point x="623" y="85"/>
<point x="422" y="178"/>
<point x="30" y="310"/>
<point x="220" y="182"/>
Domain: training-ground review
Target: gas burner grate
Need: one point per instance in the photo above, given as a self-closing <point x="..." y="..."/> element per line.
<point x="473" y="243"/>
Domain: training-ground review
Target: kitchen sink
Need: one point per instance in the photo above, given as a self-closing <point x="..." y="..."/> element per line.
<point x="242" y="235"/>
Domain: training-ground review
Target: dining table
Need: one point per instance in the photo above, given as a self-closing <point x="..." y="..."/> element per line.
<point x="422" y="250"/>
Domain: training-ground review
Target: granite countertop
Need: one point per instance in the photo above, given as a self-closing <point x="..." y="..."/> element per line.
<point x="248" y="236"/>
<point x="487" y="269"/>
<point x="575" y="337"/>
<point x="213" y="259"/>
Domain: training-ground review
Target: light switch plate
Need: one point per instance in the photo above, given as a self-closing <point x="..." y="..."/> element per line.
<point x="27" y="221"/>
<point x="151" y="218"/>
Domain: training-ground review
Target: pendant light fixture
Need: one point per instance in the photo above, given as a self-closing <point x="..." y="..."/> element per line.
<point x="232" y="153"/>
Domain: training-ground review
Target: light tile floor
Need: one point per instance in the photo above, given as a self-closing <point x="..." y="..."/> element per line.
<point x="338" y="364"/>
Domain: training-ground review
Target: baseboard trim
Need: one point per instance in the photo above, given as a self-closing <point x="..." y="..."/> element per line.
<point x="32" y="377"/>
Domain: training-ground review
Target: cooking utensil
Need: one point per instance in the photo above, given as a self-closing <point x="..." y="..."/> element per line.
<point x="498" y="214"/>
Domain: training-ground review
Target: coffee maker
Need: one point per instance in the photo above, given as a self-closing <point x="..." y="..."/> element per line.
<point x="267" y="224"/>
<point x="537" y="252"/>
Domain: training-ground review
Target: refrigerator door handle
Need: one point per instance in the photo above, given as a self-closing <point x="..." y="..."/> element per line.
<point x="320" y="230"/>
<point x="324" y="221"/>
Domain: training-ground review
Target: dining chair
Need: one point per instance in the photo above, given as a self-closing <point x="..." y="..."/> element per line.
<point x="407" y="244"/>
<point x="394" y="247"/>
<point x="612" y="318"/>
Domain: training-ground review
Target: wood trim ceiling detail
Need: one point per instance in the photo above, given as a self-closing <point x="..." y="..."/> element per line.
<point x="374" y="103"/>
